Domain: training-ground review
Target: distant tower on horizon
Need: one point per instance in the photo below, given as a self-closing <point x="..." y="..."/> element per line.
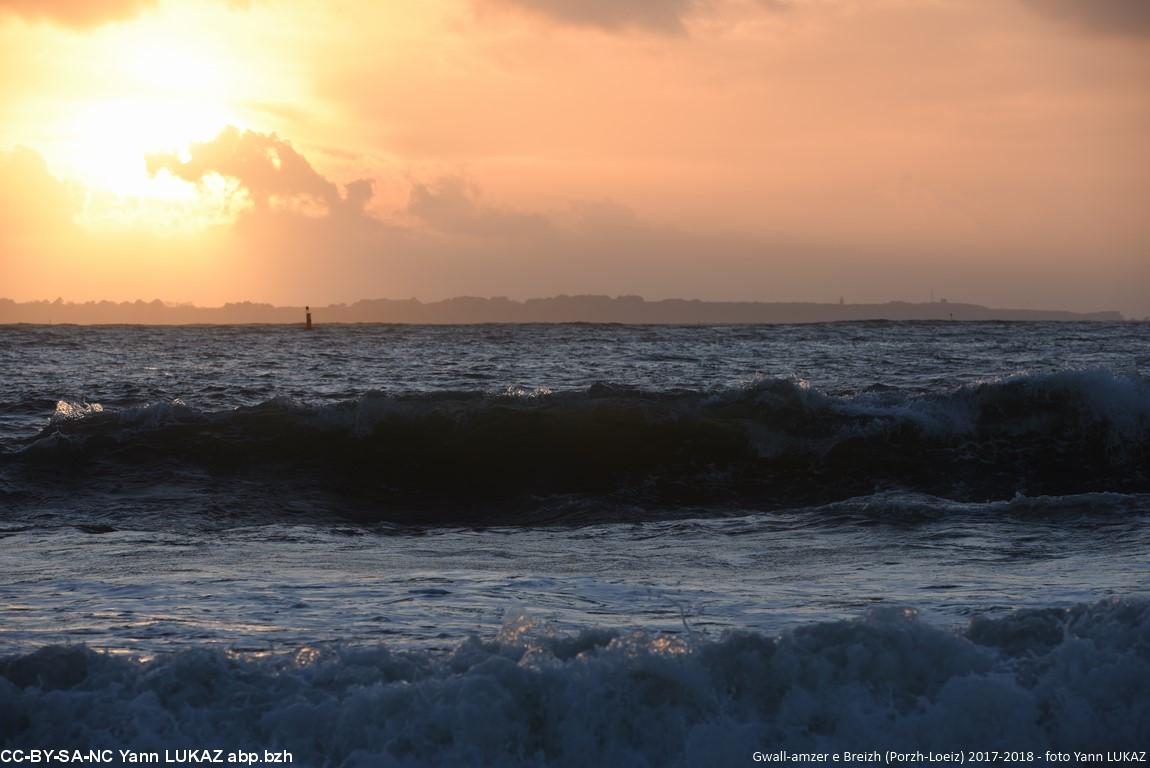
<point x="307" y="315"/>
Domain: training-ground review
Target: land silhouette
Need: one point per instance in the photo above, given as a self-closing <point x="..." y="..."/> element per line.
<point x="558" y="309"/>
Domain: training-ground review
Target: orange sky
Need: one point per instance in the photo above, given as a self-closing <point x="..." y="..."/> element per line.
<point x="301" y="151"/>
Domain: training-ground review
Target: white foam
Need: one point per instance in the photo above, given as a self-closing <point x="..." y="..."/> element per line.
<point x="67" y="410"/>
<point x="1058" y="678"/>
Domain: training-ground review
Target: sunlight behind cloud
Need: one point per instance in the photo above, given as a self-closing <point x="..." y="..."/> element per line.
<point x="107" y="141"/>
<point x="158" y="84"/>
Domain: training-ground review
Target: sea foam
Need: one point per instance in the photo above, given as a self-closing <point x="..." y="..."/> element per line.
<point x="1058" y="678"/>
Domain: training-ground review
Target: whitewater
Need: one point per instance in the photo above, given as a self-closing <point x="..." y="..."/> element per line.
<point x="576" y="544"/>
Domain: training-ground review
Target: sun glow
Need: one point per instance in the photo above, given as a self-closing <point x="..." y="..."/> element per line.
<point x="108" y="142"/>
<point x="159" y="92"/>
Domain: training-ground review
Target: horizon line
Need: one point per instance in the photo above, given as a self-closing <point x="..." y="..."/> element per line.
<point x="563" y="308"/>
<point x="622" y="297"/>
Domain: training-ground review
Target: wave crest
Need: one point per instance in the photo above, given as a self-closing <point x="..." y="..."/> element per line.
<point x="773" y="443"/>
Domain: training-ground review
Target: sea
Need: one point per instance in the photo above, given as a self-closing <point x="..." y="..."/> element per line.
<point x="576" y="545"/>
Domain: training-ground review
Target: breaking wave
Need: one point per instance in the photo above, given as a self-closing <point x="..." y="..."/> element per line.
<point x="774" y="443"/>
<point x="1069" y="679"/>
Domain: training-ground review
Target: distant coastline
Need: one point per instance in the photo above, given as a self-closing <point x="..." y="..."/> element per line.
<point x="558" y="309"/>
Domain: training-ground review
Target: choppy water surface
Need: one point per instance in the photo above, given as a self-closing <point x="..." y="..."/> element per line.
<point x="263" y="490"/>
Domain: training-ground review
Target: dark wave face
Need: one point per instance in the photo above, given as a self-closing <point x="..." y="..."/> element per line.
<point x="467" y="455"/>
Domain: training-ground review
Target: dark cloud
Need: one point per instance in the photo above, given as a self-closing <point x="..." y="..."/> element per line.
<point x="358" y="194"/>
<point x="664" y="16"/>
<point x="274" y="174"/>
<point x="1116" y="17"/>
<point x="76" y="13"/>
<point x="454" y="205"/>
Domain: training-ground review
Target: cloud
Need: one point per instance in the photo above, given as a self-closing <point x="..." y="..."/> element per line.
<point x="76" y="13"/>
<point x="37" y="223"/>
<point x="664" y="16"/>
<point x="453" y="205"/>
<point x="271" y="171"/>
<point x="1116" y="17"/>
<point x="32" y="201"/>
<point x="301" y="234"/>
<point x="304" y="238"/>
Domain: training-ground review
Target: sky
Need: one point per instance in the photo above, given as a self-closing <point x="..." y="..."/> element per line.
<point x="323" y="151"/>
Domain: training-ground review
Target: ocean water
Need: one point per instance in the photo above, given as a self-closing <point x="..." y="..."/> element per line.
<point x="576" y="544"/>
